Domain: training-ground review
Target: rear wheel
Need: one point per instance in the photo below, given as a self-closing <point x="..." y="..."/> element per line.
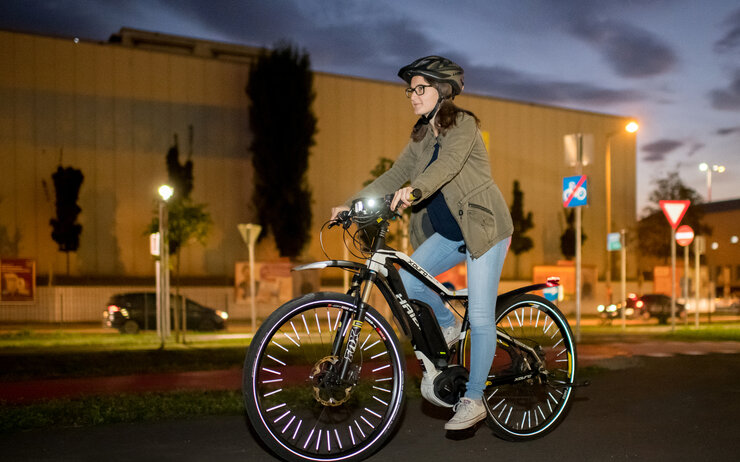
<point x="130" y="327"/>
<point x="293" y="397"/>
<point x="528" y="392"/>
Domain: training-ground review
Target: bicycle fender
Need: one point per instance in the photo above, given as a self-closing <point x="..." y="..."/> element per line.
<point x="344" y="264"/>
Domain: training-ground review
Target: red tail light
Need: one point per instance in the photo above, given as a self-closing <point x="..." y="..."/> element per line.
<point x="113" y="308"/>
<point x="639" y="303"/>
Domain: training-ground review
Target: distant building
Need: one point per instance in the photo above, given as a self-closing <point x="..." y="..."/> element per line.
<point x="723" y="246"/>
<point x="112" y="109"/>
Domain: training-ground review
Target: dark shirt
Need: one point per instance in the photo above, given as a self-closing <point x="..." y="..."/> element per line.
<point x="439" y="214"/>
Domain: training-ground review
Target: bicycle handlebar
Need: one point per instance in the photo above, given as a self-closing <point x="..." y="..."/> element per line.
<point x="365" y="210"/>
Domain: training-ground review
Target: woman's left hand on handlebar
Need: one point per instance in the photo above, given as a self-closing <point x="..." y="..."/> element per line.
<point x="335" y="211"/>
<point x="402" y="198"/>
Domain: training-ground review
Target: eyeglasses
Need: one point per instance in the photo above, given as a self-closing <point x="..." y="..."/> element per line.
<point x="419" y="90"/>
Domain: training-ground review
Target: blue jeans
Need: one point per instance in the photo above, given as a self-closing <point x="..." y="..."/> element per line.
<point x="438" y="254"/>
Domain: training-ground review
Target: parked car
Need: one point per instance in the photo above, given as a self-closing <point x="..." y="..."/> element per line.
<point x="659" y="306"/>
<point x="729" y="305"/>
<point x="135" y="311"/>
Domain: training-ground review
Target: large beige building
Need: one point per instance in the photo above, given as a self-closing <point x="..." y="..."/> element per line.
<point x="111" y="109"/>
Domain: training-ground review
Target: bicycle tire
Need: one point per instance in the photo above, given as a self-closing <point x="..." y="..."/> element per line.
<point x="287" y="406"/>
<point x="528" y="409"/>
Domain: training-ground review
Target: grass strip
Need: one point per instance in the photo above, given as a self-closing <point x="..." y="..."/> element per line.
<point x="99" y="410"/>
<point x="129" y="408"/>
<point x="52" y="364"/>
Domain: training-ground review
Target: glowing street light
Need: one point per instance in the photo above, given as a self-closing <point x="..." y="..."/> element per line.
<point x="704" y="167"/>
<point x="165" y="192"/>
<point x="631" y="127"/>
<point x="163" y="266"/>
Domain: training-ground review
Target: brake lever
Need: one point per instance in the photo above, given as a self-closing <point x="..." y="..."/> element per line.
<point x="341" y="220"/>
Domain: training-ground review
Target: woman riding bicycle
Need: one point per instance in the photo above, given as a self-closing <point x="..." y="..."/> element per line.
<point x="461" y="214"/>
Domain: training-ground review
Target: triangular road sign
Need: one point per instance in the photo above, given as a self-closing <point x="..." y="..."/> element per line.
<point x="674" y="211"/>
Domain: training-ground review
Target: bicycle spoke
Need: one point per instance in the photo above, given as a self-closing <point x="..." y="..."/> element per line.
<point x="296" y="393"/>
<point x="528" y="389"/>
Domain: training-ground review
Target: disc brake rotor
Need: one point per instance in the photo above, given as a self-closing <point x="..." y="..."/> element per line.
<point x="326" y="389"/>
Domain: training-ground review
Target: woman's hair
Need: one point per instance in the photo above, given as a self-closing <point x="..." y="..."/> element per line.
<point x="446" y="114"/>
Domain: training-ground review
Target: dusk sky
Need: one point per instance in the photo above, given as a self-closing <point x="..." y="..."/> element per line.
<point x="674" y="65"/>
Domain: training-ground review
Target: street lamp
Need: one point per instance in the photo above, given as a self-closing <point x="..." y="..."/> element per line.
<point x="631" y="127"/>
<point x="163" y="267"/>
<point x="704" y="167"/>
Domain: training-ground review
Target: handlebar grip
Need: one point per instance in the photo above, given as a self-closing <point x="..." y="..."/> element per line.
<point x="341" y="219"/>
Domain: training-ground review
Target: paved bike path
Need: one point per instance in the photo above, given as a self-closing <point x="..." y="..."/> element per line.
<point x="681" y="408"/>
<point x="230" y="379"/>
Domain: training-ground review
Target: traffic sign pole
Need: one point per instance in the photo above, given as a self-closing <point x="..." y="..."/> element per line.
<point x="673" y="280"/>
<point x="624" y="279"/>
<point x="674" y="211"/>
<point x="686" y="280"/>
<point x="698" y="249"/>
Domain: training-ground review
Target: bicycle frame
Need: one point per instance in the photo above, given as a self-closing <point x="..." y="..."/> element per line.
<point x="415" y="318"/>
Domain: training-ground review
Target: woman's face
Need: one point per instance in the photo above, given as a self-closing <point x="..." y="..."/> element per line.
<point x="423" y="104"/>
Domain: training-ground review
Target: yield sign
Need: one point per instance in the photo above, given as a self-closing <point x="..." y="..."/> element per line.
<point x="674" y="211"/>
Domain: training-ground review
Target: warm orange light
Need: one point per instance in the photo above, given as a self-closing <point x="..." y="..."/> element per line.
<point x="632" y="127"/>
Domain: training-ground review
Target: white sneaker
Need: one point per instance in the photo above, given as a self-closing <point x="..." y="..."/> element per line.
<point x="452" y="333"/>
<point x="468" y="412"/>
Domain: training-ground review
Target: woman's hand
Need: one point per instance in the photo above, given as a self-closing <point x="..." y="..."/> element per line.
<point x="336" y="210"/>
<point x="402" y="198"/>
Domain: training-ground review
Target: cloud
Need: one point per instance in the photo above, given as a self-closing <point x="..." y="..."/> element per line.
<point x="731" y="40"/>
<point x="631" y="51"/>
<point x="658" y="150"/>
<point x="695" y="147"/>
<point x="728" y="130"/>
<point x="727" y="99"/>
<point x="509" y="83"/>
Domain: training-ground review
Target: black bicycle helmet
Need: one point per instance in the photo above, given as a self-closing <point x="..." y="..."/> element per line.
<point x="435" y="68"/>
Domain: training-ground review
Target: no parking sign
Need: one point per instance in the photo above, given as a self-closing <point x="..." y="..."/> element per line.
<point x="574" y="191"/>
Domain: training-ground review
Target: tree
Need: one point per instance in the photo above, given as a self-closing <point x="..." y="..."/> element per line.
<point x="568" y="238"/>
<point x="399" y="232"/>
<point x="186" y="220"/>
<point x="9" y="244"/>
<point x="65" y="229"/>
<point x="384" y="164"/>
<point x="283" y="126"/>
<point x="653" y="230"/>
<point x="520" y="243"/>
<point x="180" y="176"/>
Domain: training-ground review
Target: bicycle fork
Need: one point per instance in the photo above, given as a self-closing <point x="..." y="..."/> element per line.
<point x="353" y="335"/>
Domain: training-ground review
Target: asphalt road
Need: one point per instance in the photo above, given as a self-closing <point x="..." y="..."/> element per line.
<point x="682" y="407"/>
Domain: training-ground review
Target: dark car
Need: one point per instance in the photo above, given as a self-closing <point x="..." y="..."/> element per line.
<point x="659" y="306"/>
<point x="131" y="312"/>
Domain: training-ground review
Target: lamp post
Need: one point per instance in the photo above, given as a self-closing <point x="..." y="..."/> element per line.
<point x="163" y="273"/>
<point x="631" y="127"/>
<point x="704" y="167"/>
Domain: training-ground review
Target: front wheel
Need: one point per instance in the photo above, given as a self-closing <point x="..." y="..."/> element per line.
<point x="528" y="392"/>
<point x="293" y="395"/>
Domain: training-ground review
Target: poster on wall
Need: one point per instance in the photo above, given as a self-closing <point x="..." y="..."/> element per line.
<point x="17" y="280"/>
<point x="273" y="282"/>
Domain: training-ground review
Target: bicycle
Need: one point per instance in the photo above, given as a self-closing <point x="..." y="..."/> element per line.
<point x="324" y="376"/>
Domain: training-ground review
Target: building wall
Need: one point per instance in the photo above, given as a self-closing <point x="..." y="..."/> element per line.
<point x="112" y="110"/>
<point x="722" y="247"/>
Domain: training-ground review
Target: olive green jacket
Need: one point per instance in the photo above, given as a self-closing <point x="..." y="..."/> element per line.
<point x="463" y="173"/>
